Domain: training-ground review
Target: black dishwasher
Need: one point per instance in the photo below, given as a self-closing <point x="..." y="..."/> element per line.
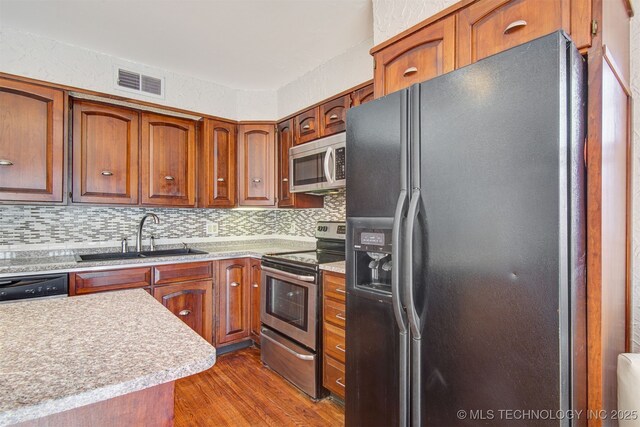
<point x="26" y="287"/>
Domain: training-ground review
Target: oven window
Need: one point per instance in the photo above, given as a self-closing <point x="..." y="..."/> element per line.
<point x="287" y="302"/>
<point x="309" y="169"/>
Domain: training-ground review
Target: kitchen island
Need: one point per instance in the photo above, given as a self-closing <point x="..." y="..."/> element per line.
<point x="103" y="359"/>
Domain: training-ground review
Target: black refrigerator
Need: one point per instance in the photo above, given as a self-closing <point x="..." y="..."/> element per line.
<point x="466" y="248"/>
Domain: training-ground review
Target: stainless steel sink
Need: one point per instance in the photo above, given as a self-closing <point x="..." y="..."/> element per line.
<point x="114" y="256"/>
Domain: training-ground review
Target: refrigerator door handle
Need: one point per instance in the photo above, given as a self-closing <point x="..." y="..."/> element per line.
<point x="327" y="171"/>
<point x="412" y="314"/>
<point x="398" y="311"/>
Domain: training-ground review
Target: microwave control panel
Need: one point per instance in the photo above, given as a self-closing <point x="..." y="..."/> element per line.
<point x="340" y="163"/>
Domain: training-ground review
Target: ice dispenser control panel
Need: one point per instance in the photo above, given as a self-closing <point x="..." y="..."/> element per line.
<point x="373" y="240"/>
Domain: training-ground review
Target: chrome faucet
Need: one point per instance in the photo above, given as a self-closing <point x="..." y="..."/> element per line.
<point x="156" y="220"/>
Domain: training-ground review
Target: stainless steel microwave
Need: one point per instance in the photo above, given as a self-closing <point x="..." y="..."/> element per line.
<point x="319" y="166"/>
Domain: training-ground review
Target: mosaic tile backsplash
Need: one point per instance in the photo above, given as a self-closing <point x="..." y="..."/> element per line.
<point x="20" y="225"/>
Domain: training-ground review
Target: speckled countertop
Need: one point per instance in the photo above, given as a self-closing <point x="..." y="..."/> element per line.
<point x="47" y="262"/>
<point x="63" y="353"/>
<point x="336" y="267"/>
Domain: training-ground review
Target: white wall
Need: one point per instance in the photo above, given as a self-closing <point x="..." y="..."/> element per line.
<point x="41" y="58"/>
<point x="349" y="69"/>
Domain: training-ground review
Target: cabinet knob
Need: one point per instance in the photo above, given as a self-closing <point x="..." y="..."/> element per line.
<point x="169" y="178"/>
<point x="257" y="180"/>
<point x="515" y="25"/>
<point x="220" y="179"/>
<point x="409" y="71"/>
<point x="5" y="162"/>
<point x="306" y="127"/>
<point x="106" y="173"/>
<point x="285" y="179"/>
<point x="255" y="285"/>
<point x="184" y="312"/>
<point x="234" y="284"/>
<point x="333" y="117"/>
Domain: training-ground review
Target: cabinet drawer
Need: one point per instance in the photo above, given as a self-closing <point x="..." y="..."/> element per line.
<point x="307" y="126"/>
<point x="334" y="286"/>
<point x="334" y="342"/>
<point x="182" y="272"/>
<point x="489" y="27"/>
<point x="334" y="312"/>
<point x="333" y="376"/>
<point x="333" y="116"/>
<point x="99" y="281"/>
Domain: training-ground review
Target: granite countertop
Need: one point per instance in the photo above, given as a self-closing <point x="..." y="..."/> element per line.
<point x="63" y="353"/>
<point x="336" y="267"/>
<point x="43" y="262"/>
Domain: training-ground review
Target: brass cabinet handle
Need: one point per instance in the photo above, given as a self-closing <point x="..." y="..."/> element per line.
<point x="5" y="162"/>
<point x="234" y="284"/>
<point x="106" y="173"/>
<point x="285" y="179"/>
<point x="340" y="383"/>
<point x="255" y="285"/>
<point x="340" y="347"/>
<point x="220" y="179"/>
<point x="341" y="316"/>
<point x="515" y="25"/>
<point x="306" y="127"/>
<point x="409" y="71"/>
<point x="333" y="117"/>
<point x="257" y="180"/>
<point x="340" y="290"/>
<point x="184" y="312"/>
<point x="169" y="178"/>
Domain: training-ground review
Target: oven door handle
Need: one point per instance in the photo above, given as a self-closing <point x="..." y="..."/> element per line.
<point x="287" y="274"/>
<point x="298" y="355"/>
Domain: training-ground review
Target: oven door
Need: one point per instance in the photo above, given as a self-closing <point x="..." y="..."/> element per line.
<point x="288" y="304"/>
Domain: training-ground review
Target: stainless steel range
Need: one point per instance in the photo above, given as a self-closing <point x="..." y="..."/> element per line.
<point x="290" y="308"/>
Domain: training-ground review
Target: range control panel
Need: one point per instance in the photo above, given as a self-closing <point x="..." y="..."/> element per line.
<point x="340" y="164"/>
<point x="331" y="230"/>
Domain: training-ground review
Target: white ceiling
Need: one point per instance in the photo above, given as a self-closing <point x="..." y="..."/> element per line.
<point x="246" y="44"/>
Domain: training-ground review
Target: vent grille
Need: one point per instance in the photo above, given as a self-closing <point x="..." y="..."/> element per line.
<point x="136" y="82"/>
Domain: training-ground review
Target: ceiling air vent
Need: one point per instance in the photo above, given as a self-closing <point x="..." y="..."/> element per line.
<point x="140" y="83"/>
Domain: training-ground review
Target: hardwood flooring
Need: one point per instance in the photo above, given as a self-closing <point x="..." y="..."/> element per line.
<point x="240" y="391"/>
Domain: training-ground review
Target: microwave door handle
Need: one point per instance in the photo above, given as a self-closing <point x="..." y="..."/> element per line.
<point x="327" y="159"/>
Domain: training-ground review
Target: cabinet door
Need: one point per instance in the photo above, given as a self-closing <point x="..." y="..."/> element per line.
<point x="307" y="126"/>
<point x="218" y="164"/>
<point x="105" y="154"/>
<point x="257" y="174"/>
<point x="168" y="160"/>
<point x="285" y="141"/>
<point x="233" y="301"/>
<point x="191" y="302"/>
<point x="31" y="142"/>
<point x="421" y="56"/>
<point x="333" y="115"/>
<point x="256" y="281"/>
<point x="491" y="26"/>
<point x="363" y="95"/>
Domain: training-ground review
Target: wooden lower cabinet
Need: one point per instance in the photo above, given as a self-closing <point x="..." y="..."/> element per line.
<point x="254" y="297"/>
<point x="233" y="301"/>
<point x="333" y="333"/>
<point x="89" y="282"/>
<point x="191" y="302"/>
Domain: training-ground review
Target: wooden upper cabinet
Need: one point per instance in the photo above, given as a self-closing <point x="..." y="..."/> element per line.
<point x="362" y="95"/>
<point x="254" y="298"/>
<point x="233" y="300"/>
<point x="256" y="165"/>
<point x="491" y="26"/>
<point x="333" y="115"/>
<point x="427" y="53"/>
<point x="105" y="153"/>
<point x="168" y="160"/>
<point x="31" y="142"/>
<point x="191" y="302"/>
<point x="218" y="160"/>
<point x="285" y="141"/>
<point x="307" y="126"/>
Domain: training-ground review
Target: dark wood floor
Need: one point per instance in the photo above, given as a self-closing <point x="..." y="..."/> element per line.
<point x="240" y="391"/>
